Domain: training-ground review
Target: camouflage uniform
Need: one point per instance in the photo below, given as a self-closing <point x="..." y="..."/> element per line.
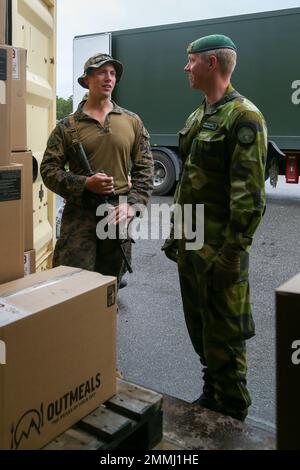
<point x="78" y="244"/>
<point x="224" y="150"/>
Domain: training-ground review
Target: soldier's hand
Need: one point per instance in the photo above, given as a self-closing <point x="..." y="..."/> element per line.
<point x="129" y="182"/>
<point x="226" y="269"/>
<point x="100" y="183"/>
<point x="121" y="213"/>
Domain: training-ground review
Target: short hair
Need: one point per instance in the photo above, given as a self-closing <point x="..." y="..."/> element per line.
<point x="225" y="57"/>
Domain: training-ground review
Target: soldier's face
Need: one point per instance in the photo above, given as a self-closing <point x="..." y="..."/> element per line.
<point x="197" y="69"/>
<point x="101" y="81"/>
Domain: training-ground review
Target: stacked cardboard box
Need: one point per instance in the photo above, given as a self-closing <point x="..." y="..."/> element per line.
<point x="13" y="143"/>
<point x="12" y="223"/>
<point x="19" y="150"/>
<point x="13" y="74"/>
<point x="25" y="159"/>
<point x="6" y="59"/>
<point x="18" y="108"/>
<point x="11" y="182"/>
<point x="58" y="338"/>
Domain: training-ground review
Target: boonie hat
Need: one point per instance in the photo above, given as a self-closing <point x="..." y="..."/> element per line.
<point x="208" y="43"/>
<point x="97" y="61"/>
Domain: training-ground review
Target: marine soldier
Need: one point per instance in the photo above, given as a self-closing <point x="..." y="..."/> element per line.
<point x="223" y="146"/>
<point x="114" y="142"/>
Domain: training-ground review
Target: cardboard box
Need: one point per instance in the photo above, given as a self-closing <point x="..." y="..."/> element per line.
<point x="12" y="223"/>
<point x="12" y="101"/>
<point x="58" y="331"/>
<point x="29" y="262"/>
<point x="2" y="21"/>
<point x="288" y="364"/>
<point x="25" y="158"/>
<point x="6" y="54"/>
<point x="18" y="109"/>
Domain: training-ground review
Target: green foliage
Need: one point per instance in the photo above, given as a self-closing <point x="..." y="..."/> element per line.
<point x="63" y="107"/>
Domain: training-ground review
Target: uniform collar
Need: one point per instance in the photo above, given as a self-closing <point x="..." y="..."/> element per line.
<point x="79" y="114"/>
<point x="230" y="94"/>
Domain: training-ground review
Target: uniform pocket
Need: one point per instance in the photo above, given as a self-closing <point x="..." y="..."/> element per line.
<point x="209" y="152"/>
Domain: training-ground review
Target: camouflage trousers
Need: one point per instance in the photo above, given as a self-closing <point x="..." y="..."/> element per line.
<point x="218" y="323"/>
<point x="80" y="247"/>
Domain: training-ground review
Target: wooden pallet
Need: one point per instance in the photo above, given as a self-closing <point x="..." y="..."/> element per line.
<point x="131" y="420"/>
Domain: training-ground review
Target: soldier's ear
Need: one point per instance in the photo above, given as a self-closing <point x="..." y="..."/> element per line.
<point x="86" y="81"/>
<point x="213" y="62"/>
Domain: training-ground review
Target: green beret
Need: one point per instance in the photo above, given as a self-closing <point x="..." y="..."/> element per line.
<point x="209" y="43"/>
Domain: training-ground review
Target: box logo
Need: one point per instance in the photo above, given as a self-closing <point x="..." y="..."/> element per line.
<point x="31" y="420"/>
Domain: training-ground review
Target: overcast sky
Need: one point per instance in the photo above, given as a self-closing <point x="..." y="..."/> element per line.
<point x="76" y="17"/>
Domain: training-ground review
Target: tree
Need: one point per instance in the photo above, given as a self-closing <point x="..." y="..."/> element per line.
<point x="63" y="107"/>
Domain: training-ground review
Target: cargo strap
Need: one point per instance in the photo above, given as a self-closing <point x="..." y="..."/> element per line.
<point x="73" y="130"/>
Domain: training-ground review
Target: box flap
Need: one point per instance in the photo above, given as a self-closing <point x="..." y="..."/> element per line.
<point x="292" y="286"/>
<point x="40" y="291"/>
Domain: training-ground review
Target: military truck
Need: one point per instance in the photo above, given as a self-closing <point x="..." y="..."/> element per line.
<point x="155" y="86"/>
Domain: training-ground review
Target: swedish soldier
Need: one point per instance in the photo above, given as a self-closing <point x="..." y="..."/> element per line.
<point x="223" y="146"/>
<point x="114" y="141"/>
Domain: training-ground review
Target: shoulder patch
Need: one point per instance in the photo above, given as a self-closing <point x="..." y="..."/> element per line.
<point x="246" y="132"/>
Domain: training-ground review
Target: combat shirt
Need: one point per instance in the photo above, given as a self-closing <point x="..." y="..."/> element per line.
<point x="119" y="146"/>
<point x="224" y="148"/>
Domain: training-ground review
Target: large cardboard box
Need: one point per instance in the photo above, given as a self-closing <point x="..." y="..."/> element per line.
<point x="6" y="55"/>
<point x="288" y="364"/>
<point x="12" y="101"/>
<point x="25" y="158"/>
<point x="12" y="223"/>
<point x="18" y="109"/>
<point x="58" y="337"/>
<point x="2" y="21"/>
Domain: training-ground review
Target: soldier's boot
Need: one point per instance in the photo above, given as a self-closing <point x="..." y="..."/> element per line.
<point x="234" y="398"/>
<point x="207" y="398"/>
<point x="213" y="398"/>
<point x="234" y="409"/>
<point x="240" y="415"/>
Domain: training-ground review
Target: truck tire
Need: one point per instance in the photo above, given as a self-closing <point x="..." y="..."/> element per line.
<point x="164" y="173"/>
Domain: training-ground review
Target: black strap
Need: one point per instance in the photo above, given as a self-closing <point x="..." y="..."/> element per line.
<point x="73" y="130"/>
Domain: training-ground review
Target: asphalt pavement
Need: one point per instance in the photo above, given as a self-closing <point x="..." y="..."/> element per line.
<point x="153" y="345"/>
